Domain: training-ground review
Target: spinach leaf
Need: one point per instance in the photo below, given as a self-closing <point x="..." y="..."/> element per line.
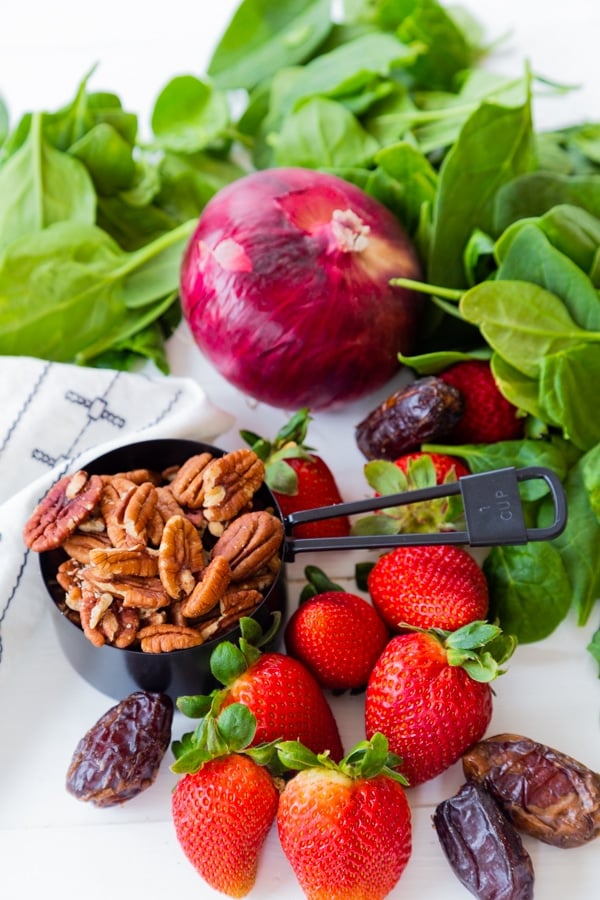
<point x="67" y="287"/>
<point x="530" y="593"/>
<point x="522" y="322"/>
<point x="323" y="133"/>
<point x="570" y="229"/>
<point x="579" y="544"/>
<point x="526" y="254"/>
<point x="414" y="181"/>
<point x="107" y="157"/>
<point x="494" y="145"/>
<point x="262" y="37"/>
<point x="186" y="182"/>
<point x="535" y="193"/>
<point x="40" y="185"/>
<point x="567" y="395"/>
<point x="435" y="118"/>
<point x="342" y="73"/>
<point x="446" y="51"/>
<point x="189" y="115"/>
<point x="521" y="390"/>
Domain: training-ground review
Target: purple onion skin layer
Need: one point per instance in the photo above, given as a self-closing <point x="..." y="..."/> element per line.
<point x="292" y="306"/>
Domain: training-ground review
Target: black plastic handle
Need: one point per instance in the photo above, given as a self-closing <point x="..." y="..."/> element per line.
<point x="493" y="514"/>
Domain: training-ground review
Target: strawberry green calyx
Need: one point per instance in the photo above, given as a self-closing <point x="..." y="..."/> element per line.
<point x="317" y="582"/>
<point x="231" y="732"/>
<point x="289" y="443"/>
<point x="367" y="759"/>
<point x="480" y="648"/>
<point x="439" y="514"/>
<point x="228" y="662"/>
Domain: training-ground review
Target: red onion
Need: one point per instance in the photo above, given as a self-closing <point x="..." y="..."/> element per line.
<point x="285" y="286"/>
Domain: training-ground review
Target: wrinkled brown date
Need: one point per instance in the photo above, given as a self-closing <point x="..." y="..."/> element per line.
<point x="120" y="755"/>
<point x="544" y="792"/>
<point x="484" y="850"/>
<point x="425" y="410"/>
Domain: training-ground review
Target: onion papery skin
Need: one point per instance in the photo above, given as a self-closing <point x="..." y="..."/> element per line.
<point x="285" y="287"/>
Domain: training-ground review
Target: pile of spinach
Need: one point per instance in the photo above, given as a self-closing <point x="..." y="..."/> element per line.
<point x="393" y="96"/>
<point x="94" y="222"/>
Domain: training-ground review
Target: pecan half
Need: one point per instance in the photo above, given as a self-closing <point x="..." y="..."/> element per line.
<point x="164" y="638"/>
<point x="136" y="511"/>
<point x="134" y="591"/>
<point x="79" y="545"/>
<point x="66" y="505"/>
<point x="113" y="561"/>
<point x="250" y="542"/>
<point x="230" y="482"/>
<point x="236" y="603"/>
<point x="180" y="557"/>
<point x="209" y="590"/>
<point x="187" y="485"/>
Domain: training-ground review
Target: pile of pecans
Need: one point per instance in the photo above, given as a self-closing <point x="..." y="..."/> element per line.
<point x="161" y="561"/>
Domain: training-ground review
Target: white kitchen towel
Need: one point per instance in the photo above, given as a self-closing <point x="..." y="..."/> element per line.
<point x="53" y="418"/>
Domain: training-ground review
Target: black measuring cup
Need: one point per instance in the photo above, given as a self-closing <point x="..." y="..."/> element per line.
<point x="493" y="515"/>
<point x="492" y="507"/>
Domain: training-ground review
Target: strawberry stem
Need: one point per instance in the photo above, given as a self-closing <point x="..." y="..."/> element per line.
<point x="317" y="583"/>
<point x="479" y="647"/>
<point x="367" y="759"/>
<point x="287" y="444"/>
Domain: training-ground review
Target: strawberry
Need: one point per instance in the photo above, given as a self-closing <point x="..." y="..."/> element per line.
<point x="437" y="586"/>
<point x="345" y="829"/>
<point x="413" y="471"/>
<point x="225" y="803"/>
<point x="336" y="634"/>
<point x="282" y="694"/>
<point x="488" y="416"/>
<point x="446" y="468"/>
<point x="299" y="479"/>
<point x="429" y="694"/>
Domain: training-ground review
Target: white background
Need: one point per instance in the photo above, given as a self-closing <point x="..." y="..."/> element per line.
<point x="49" y="842"/>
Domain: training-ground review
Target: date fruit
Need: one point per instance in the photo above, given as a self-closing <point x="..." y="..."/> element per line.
<point x="426" y="410"/>
<point x="484" y="850"/>
<point x="545" y="793"/>
<point x="120" y="755"/>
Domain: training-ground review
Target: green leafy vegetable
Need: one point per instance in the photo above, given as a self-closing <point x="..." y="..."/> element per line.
<point x="262" y="37"/>
<point x="529" y="589"/>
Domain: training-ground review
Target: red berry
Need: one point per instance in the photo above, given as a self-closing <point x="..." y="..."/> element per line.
<point x="428" y="587"/>
<point x="222" y="814"/>
<point x="346" y="834"/>
<point x="488" y="416"/>
<point x="338" y="636"/>
<point x="430" y="711"/>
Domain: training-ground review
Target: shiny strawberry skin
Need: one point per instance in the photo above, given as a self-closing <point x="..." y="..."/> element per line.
<point x="430" y="712"/>
<point x="288" y="704"/>
<point x="345" y="839"/>
<point x="428" y="587"/>
<point x="338" y="636"/>
<point x="222" y="815"/>
<point x="316" y="487"/>
<point x="488" y="416"/>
